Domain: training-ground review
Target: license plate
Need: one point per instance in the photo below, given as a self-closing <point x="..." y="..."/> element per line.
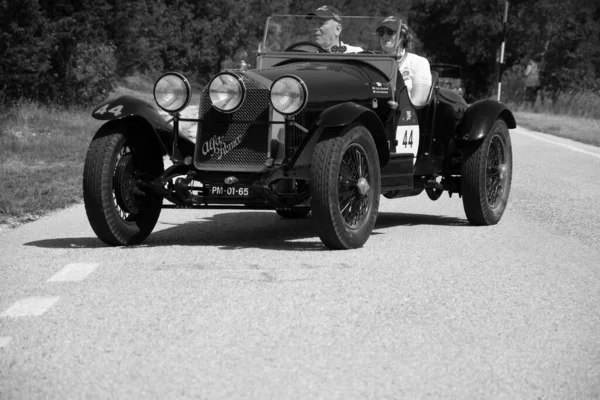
<point x="229" y="191"/>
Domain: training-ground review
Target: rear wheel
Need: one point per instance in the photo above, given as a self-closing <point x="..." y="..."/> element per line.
<point x="486" y="177"/>
<point x="345" y="187"/>
<point x="118" y="211"/>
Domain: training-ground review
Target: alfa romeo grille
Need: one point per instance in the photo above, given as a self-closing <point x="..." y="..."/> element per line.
<point x="235" y="141"/>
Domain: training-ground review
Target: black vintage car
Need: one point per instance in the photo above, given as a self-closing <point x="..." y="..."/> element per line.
<point x="449" y="77"/>
<point x="306" y="130"/>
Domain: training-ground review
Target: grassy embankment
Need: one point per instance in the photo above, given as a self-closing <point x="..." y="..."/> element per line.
<point x="42" y="149"/>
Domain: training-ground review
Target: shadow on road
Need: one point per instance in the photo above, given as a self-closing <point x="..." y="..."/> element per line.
<point x="235" y="230"/>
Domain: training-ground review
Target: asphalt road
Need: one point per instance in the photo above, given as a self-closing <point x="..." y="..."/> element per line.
<point x="227" y="304"/>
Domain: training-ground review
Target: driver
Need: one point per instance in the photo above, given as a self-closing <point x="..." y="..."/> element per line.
<point x="414" y="69"/>
<point x="327" y="27"/>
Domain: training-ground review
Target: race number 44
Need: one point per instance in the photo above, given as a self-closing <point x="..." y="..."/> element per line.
<point x="116" y="111"/>
<point x="408" y="139"/>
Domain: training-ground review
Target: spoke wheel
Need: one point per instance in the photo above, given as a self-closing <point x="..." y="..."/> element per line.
<point x="345" y="187"/>
<point x="486" y="177"/>
<point x="353" y="186"/>
<point x="118" y="211"/>
<point x="496" y="171"/>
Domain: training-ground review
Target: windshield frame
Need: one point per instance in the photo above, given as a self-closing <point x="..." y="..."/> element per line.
<point x="264" y="47"/>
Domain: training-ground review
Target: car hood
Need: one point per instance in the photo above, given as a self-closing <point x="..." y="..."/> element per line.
<point x="331" y="81"/>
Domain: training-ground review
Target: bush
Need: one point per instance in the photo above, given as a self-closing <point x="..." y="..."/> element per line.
<point x="572" y="102"/>
<point x="95" y="66"/>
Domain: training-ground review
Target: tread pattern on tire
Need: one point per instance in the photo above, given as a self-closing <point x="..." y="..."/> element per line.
<point x="332" y="230"/>
<point x="97" y="192"/>
<point x="473" y="183"/>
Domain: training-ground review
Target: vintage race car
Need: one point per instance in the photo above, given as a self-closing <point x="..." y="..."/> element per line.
<point x="306" y="130"/>
<point x="449" y="77"/>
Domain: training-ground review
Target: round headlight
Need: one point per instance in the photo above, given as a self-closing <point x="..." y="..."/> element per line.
<point x="172" y="92"/>
<point x="226" y="92"/>
<point x="288" y="95"/>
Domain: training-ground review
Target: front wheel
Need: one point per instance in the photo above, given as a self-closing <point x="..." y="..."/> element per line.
<point x="345" y="187"/>
<point x="118" y="211"/>
<point x="486" y="177"/>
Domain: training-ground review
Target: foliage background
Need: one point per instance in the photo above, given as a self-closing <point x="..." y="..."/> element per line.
<point x="73" y="51"/>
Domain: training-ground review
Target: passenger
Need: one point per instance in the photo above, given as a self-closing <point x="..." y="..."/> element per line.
<point x="414" y="69"/>
<point x="327" y="28"/>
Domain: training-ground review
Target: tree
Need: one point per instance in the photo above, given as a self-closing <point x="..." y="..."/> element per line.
<point x="25" y="49"/>
<point x="469" y="33"/>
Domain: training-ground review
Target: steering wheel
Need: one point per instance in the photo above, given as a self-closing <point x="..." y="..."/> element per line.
<point x="306" y="43"/>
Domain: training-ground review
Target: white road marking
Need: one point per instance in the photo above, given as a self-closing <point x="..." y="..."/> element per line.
<point x="568" y="146"/>
<point x="30" y="306"/>
<point x="4" y="341"/>
<point x="74" y="272"/>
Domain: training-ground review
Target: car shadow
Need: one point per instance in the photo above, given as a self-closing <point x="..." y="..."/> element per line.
<point x="235" y="230"/>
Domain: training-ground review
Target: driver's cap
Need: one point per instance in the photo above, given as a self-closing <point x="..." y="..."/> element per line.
<point x="392" y="23"/>
<point x="326" y="12"/>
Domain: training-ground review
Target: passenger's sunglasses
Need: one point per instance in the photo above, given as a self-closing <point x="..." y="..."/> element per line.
<point x="383" y="31"/>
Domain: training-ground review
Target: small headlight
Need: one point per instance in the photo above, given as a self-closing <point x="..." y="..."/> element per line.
<point x="288" y="95"/>
<point x="226" y="92"/>
<point x="172" y="92"/>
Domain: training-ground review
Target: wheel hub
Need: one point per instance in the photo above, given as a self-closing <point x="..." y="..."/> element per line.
<point x="363" y="186"/>
<point x="124" y="185"/>
<point x="502" y="170"/>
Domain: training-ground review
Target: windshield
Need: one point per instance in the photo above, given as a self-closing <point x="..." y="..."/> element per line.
<point x="311" y="34"/>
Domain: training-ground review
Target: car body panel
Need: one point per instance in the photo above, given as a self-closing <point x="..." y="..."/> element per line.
<point x="479" y="118"/>
<point x="126" y="106"/>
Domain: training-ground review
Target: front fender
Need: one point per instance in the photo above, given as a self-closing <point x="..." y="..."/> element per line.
<point x="479" y="118"/>
<point x="344" y="114"/>
<point x="131" y="109"/>
<point x="129" y="106"/>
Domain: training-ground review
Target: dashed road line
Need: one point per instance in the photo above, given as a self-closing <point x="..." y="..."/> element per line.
<point x="30" y="306"/>
<point x="567" y="146"/>
<point x="74" y="272"/>
<point x="4" y="341"/>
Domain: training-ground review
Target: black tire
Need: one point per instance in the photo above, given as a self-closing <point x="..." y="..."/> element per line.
<point x="118" y="212"/>
<point x="486" y="177"/>
<point x="345" y="187"/>
<point x="293" y="212"/>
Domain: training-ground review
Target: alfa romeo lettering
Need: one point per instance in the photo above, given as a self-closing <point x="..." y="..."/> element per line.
<point x="219" y="147"/>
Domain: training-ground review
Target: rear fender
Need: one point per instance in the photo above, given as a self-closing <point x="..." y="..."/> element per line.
<point x="479" y="118"/>
<point x="347" y="113"/>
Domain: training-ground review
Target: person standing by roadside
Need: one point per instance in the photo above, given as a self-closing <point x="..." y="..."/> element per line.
<point x="532" y="80"/>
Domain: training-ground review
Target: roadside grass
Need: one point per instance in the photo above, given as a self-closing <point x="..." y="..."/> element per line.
<point x="43" y="148"/>
<point x="581" y="129"/>
<point x="570" y="114"/>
